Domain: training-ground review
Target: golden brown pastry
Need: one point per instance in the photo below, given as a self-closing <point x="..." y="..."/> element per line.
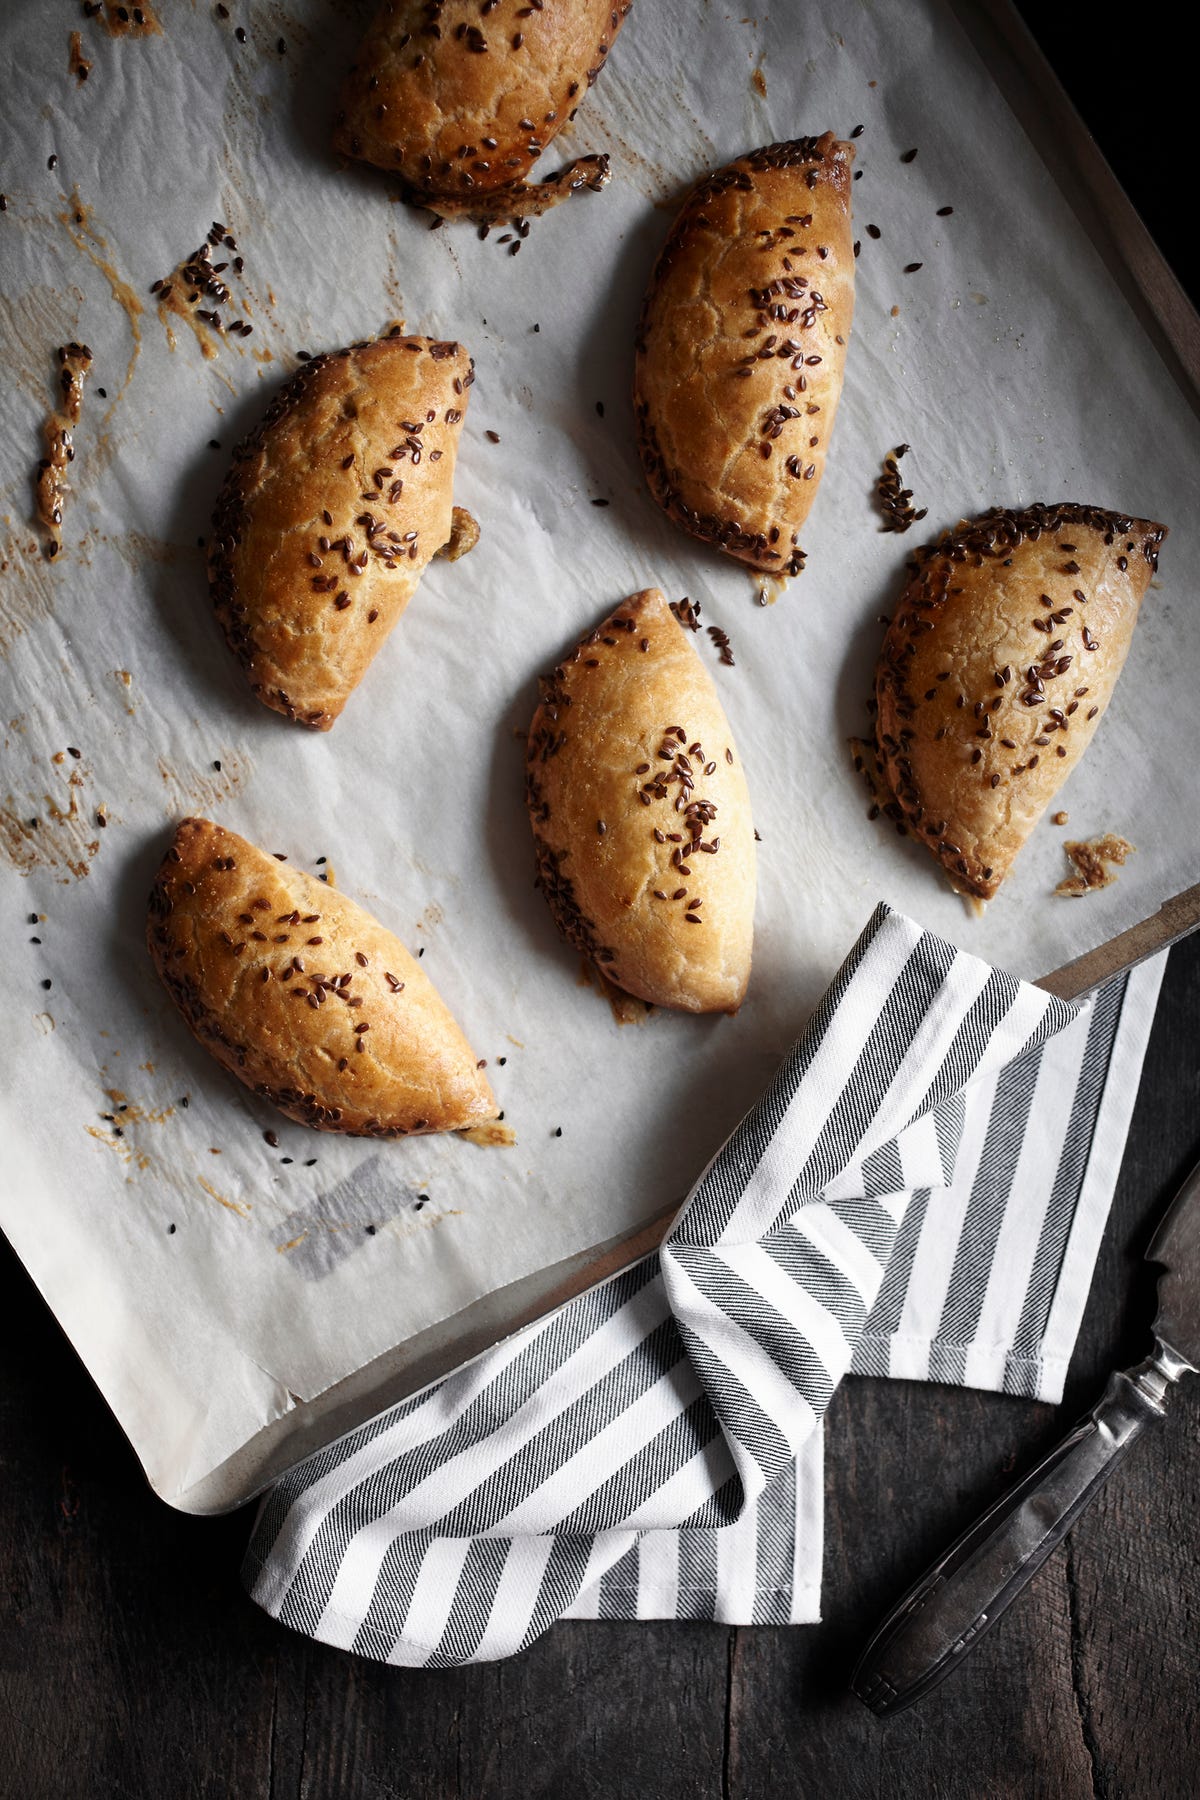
<point x="305" y="997"/>
<point x="640" y="813"/>
<point x="1000" y="659"/>
<point x="460" y="99"/>
<point x="329" y="514"/>
<point x="742" y="346"/>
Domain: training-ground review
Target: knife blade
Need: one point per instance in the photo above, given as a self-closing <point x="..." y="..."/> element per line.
<point x="927" y="1635"/>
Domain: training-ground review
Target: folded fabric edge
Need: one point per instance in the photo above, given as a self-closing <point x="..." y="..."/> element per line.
<point x="993" y="1368"/>
<point x="1105" y="1158"/>
<point x="1037" y="1368"/>
<point x="696" y="1606"/>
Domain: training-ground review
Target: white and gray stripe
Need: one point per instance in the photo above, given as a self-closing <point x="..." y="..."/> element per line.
<point x="903" y="1200"/>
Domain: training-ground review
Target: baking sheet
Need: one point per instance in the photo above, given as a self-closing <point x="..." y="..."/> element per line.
<point x="210" y="1286"/>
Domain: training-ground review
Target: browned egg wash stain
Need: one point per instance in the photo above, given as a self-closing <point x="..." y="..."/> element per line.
<point x="1091" y="861"/>
<point x="113" y="1139"/>
<point x="125" y="680"/>
<point x="615" y="118"/>
<point x="50" y="481"/>
<point x="77" y="62"/>
<point x="202" y="789"/>
<point x="195" y="292"/>
<point x="83" y="234"/>
<point x="27" y="586"/>
<point x="243" y="1208"/>
<point x="114" y="1129"/>
<point x="132" y="1112"/>
<point x="124" y="21"/>
<point x="50" y="837"/>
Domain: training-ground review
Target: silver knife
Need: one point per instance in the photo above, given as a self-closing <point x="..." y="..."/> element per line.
<point x="929" y="1633"/>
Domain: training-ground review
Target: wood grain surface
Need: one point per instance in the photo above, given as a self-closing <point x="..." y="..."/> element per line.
<point x="131" y="1664"/>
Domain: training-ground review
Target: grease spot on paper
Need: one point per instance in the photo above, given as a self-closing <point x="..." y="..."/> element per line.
<point x="42" y="835"/>
<point x="242" y="1208"/>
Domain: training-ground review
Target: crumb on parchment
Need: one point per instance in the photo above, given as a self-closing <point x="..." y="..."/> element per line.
<point x="1092" y="859"/>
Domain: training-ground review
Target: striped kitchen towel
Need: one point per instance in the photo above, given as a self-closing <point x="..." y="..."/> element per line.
<point x="919" y="1193"/>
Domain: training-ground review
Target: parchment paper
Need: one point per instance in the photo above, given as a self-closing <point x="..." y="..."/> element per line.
<point x="206" y="1281"/>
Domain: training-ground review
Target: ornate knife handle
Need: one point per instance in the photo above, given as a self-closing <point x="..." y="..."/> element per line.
<point x="954" y="1603"/>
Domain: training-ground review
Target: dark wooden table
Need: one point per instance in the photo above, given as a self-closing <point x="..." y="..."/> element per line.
<point x="131" y="1664"/>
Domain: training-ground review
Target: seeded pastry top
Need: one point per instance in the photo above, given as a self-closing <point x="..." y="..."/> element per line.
<point x="997" y="667"/>
<point x="741" y="348"/>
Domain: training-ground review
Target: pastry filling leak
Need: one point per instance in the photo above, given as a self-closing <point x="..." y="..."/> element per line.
<point x="521" y="200"/>
<point x="1092" y="860"/>
<point x="74" y="361"/>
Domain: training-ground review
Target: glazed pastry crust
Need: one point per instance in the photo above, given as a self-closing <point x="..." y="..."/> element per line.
<point x="455" y="120"/>
<point x="998" y="665"/>
<point x="742" y="345"/>
<point x="305" y="997"/>
<point x="330" y="512"/>
<point x="629" y="750"/>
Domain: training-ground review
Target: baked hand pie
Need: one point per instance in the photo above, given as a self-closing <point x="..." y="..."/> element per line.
<point x="641" y="816"/>
<point x="997" y="667"/>
<point x="305" y="997"/>
<point x="742" y="346"/>
<point x="330" y="512"/>
<point x="460" y="99"/>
